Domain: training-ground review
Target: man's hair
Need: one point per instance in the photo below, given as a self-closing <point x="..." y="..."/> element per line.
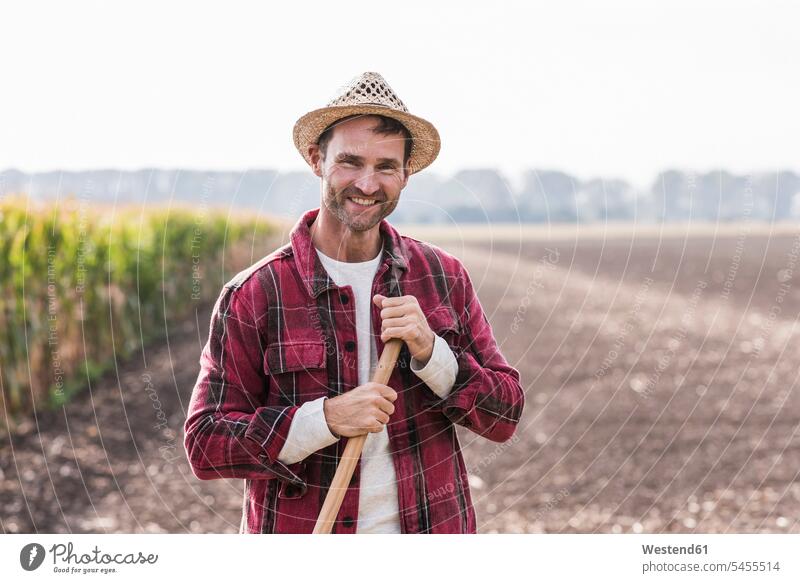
<point x="386" y="126"/>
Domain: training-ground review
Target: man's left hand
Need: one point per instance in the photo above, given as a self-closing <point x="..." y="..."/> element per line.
<point x="401" y="317"/>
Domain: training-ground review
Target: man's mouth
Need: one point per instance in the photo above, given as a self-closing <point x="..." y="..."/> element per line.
<point x="362" y="201"/>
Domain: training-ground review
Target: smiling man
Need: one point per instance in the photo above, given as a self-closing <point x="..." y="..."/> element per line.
<point x="294" y="339"/>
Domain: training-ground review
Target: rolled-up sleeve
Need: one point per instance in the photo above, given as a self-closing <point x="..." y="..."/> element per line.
<point x="309" y="432"/>
<point x="487" y="397"/>
<point x="439" y="373"/>
<point x="229" y="431"/>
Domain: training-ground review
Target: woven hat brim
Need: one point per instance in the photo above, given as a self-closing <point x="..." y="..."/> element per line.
<point x="424" y="149"/>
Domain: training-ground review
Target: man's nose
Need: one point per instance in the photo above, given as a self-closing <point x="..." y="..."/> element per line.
<point x="368" y="182"/>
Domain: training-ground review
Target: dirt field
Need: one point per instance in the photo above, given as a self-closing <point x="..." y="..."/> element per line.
<point x="660" y="374"/>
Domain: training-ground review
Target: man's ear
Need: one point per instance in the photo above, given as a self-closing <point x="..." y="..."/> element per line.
<point x="316" y="159"/>
<point x="406" y="175"/>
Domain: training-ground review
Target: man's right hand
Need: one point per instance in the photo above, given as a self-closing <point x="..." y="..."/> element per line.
<point x="365" y="409"/>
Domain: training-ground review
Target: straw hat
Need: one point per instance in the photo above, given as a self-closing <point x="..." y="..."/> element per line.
<point x="369" y="93"/>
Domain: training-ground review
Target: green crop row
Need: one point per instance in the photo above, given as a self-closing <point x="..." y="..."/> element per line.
<point x="82" y="286"/>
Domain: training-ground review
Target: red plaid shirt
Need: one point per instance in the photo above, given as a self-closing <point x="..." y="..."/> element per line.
<point x="282" y="333"/>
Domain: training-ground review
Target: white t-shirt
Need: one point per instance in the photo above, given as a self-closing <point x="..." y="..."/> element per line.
<point x="378" y="509"/>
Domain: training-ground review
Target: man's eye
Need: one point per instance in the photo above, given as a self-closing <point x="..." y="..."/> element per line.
<point x="387" y="169"/>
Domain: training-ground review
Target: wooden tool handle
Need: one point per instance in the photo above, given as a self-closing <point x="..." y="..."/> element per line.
<point x="352" y="451"/>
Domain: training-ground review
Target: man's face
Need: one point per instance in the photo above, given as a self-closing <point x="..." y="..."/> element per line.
<point x="362" y="173"/>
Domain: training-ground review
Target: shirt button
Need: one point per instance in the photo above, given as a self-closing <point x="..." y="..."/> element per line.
<point x="349" y="346"/>
<point x="348" y="521"/>
<point x="344" y="298"/>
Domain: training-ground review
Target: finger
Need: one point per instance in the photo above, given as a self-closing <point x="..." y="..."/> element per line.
<point x="407" y="333"/>
<point x="386" y="406"/>
<point x="398" y="301"/>
<point x="400" y="322"/>
<point x="383" y="418"/>
<point x="378" y="300"/>
<point x="394" y="312"/>
<point x="387" y="392"/>
<point x="390" y="333"/>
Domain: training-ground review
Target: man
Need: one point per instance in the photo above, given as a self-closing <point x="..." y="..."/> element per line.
<point x="285" y="375"/>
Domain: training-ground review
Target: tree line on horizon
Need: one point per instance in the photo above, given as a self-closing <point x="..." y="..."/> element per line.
<point x="480" y="195"/>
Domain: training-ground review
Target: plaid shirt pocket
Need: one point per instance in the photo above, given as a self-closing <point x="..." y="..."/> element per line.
<point x="296" y="370"/>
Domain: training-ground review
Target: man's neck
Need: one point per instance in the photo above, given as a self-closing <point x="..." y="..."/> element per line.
<point x="334" y="239"/>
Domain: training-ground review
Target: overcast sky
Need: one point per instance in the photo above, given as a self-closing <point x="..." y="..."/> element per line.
<point x="593" y="88"/>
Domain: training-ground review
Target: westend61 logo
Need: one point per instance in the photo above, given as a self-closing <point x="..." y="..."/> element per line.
<point x="32" y="556"/>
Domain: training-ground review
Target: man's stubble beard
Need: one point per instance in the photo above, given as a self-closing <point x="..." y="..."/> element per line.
<point x="335" y="204"/>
